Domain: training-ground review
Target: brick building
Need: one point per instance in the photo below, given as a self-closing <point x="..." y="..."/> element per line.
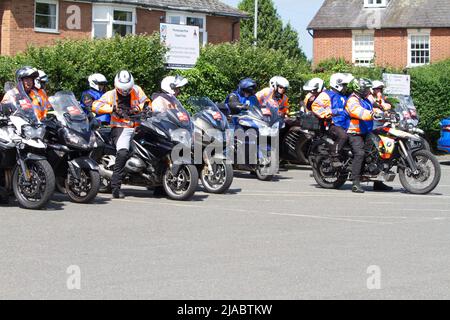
<point x="398" y="33"/>
<point x="41" y="22"/>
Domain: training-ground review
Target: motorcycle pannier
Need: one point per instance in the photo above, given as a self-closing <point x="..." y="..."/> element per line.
<point x="308" y="121"/>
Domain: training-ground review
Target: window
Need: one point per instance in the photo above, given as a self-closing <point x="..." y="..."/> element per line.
<point x="46" y="15"/>
<point x="190" y="20"/>
<point x="418" y="48"/>
<point x="110" y="21"/>
<point x="375" y="3"/>
<point x="363" y="48"/>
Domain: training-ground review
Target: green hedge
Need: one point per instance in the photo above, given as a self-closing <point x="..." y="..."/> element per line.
<point x="218" y="71"/>
<point x="70" y="62"/>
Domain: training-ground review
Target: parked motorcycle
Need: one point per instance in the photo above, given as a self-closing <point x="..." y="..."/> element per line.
<point x="151" y="163"/>
<point x="24" y="171"/>
<point x="70" y="140"/>
<point x="254" y="130"/>
<point x="211" y="137"/>
<point x="386" y="147"/>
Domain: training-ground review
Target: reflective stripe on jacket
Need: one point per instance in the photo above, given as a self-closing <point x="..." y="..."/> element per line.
<point x="321" y="107"/>
<point x="108" y="104"/>
<point x="267" y="96"/>
<point x="360" y="111"/>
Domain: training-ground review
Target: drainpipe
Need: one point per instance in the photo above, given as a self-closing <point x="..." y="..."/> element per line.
<point x="233" y="33"/>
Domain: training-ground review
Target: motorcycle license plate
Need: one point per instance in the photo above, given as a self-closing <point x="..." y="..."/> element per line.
<point x="266" y="112"/>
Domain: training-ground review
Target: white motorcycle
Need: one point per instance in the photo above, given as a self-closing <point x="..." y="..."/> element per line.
<point x="24" y="170"/>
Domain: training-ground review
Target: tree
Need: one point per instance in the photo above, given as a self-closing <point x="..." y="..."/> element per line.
<point x="271" y="33"/>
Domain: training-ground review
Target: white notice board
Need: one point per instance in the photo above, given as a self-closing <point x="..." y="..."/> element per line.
<point x="183" y="44"/>
<point x="397" y="84"/>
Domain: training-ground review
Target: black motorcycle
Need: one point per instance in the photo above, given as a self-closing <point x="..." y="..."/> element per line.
<point x="211" y="138"/>
<point x="160" y="155"/>
<point x="23" y="168"/>
<point x="70" y="141"/>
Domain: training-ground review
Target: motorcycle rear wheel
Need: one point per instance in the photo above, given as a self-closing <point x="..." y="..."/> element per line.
<point x="326" y="181"/>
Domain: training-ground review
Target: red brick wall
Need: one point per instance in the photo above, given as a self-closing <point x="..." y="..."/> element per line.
<point x="220" y="29"/>
<point x="440" y="44"/>
<point x="332" y="44"/>
<point x="148" y="21"/>
<point x="21" y="26"/>
<point x="6" y="17"/>
<point x="391" y="46"/>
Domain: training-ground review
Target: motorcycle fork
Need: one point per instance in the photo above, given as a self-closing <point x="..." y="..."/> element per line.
<point x="409" y="158"/>
<point x="23" y="166"/>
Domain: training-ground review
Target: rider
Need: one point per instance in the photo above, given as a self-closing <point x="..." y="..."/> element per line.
<point x="360" y="111"/>
<point x="97" y="87"/>
<point x="27" y="93"/>
<point x="313" y="87"/>
<point x="243" y="96"/>
<point x="171" y="89"/>
<point x="330" y="104"/>
<point x="125" y="102"/>
<point x="377" y="96"/>
<point x="275" y="95"/>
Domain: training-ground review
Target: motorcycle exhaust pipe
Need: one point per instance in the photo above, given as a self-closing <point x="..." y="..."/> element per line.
<point x="105" y="173"/>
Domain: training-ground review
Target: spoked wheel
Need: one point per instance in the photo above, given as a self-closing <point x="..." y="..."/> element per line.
<point x="219" y="179"/>
<point x="325" y="175"/>
<point x="427" y="176"/>
<point x="181" y="186"/>
<point x="85" y="189"/>
<point x="35" y="193"/>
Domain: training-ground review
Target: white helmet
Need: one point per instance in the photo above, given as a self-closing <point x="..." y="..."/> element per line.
<point x="96" y="79"/>
<point x="315" y="84"/>
<point x="377" y="85"/>
<point x="170" y="83"/>
<point x="124" y="83"/>
<point x="41" y="80"/>
<point x="338" y="80"/>
<point x="278" y="81"/>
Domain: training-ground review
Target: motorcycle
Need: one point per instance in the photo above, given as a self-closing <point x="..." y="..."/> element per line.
<point x="254" y="129"/>
<point x="386" y="147"/>
<point x="211" y="137"/>
<point x="24" y="171"/>
<point x="152" y="163"/>
<point x="70" y="140"/>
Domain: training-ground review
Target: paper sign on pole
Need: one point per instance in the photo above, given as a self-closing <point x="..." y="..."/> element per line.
<point x="183" y="44"/>
<point x="399" y="84"/>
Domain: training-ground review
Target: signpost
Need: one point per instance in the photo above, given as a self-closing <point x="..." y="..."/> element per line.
<point x="183" y="44"/>
<point x="397" y="84"/>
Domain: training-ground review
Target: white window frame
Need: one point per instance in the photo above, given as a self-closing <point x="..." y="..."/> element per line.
<point x="183" y="21"/>
<point x="383" y="4"/>
<point x="356" y="33"/>
<point x="110" y="18"/>
<point x="418" y="32"/>
<point x="55" y="2"/>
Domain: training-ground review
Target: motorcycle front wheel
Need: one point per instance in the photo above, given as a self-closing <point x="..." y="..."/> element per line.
<point x="427" y="176"/>
<point x="85" y="189"/>
<point x="218" y="181"/>
<point x="181" y="186"/>
<point x="35" y="193"/>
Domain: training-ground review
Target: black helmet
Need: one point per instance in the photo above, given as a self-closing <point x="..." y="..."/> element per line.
<point x="26" y="72"/>
<point x="360" y="86"/>
<point x="247" y="85"/>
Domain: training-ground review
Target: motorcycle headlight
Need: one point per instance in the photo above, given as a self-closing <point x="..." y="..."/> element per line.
<point x="74" y="139"/>
<point x="31" y="132"/>
<point x="181" y="136"/>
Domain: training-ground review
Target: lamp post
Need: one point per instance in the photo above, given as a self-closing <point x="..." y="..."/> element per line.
<point x="255" y="28"/>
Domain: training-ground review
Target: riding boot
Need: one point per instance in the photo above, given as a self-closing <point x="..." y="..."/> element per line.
<point x="357" y="186"/>
<point x="380" y="186"/>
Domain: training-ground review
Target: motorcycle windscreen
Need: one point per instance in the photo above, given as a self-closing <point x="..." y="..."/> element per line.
<point x="170" y="112"/>
<point x="69" y="113"/>
<point x="205" y="107"/>
<point x="21" y="106"/>
<point x="267" y="113"/>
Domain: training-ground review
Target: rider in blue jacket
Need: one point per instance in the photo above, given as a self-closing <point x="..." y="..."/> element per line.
<point x="97" y="84"/>
<point x="245" y="95"/>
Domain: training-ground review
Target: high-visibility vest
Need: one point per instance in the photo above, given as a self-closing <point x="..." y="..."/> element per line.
<point x="267" y="97"/>
<point x="360" y="111"/>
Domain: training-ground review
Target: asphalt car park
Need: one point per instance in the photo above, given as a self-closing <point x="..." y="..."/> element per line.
<point x="286" y="239"/>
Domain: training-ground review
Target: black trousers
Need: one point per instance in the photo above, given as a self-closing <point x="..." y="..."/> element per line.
<point x="340" y="139"/>
<point x="122" y="139"/>
<point x="357" y="142"/>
